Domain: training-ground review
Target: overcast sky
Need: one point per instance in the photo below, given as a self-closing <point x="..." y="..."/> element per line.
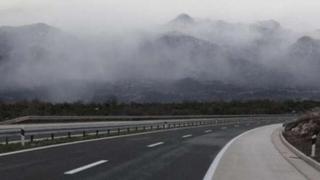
<point x="118" y="14"/>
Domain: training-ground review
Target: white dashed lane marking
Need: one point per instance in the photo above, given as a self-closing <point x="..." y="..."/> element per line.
<point x="155" y="144"/>
<point x="82" y="168"/>
<point x="187" y="135"/>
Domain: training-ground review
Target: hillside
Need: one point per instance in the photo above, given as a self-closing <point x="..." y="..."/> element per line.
<point x="185" y="59"/>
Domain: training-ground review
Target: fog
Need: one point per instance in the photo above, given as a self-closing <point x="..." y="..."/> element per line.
<point x="82" y="47"/>
<point x="95" y="16"/>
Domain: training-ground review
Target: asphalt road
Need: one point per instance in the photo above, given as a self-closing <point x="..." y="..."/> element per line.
<point x="184" y="154"/>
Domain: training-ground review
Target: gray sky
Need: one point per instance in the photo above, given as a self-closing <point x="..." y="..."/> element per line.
<point x="94" y="15"/>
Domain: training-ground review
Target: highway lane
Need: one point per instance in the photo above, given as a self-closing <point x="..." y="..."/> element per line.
<point x="176" y="154"/>
<point x="11" y="133"/>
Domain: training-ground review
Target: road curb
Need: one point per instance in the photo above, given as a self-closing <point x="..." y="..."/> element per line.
<point x="297" y="152"/>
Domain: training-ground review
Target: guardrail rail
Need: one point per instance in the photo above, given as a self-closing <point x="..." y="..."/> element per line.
<point x="19" y="134"/>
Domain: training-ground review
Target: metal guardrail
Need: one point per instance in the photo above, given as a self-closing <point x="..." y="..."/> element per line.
<point x="47" y="119"/>
<point x="18" y="135"/>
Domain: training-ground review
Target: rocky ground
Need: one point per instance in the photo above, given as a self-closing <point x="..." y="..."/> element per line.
<point x="299" y="133"/>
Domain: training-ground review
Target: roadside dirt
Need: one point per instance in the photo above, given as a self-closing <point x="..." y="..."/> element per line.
<point x="299" y="133"/>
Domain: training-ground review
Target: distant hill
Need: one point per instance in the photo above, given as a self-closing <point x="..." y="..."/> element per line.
<point x="185" y="59"/>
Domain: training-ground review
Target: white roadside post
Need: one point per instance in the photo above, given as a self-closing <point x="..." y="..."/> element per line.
<point x="22" y="134"/>
<point x="313" y="146"/>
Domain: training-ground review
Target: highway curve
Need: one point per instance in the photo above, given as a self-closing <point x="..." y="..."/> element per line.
<point x="184" y="154"/>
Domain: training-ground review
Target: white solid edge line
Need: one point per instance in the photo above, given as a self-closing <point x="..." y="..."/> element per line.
<point x="155" y="144"/>
<point x="187" y="135"/>
<point x="85" y="167"/>
<point x="212" y="169"/>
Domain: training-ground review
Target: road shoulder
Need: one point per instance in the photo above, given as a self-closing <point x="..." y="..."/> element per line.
<point x="253" y="156"/>
<point x="303" y="167"/>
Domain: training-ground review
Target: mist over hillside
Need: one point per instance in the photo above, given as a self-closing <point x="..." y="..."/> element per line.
<point x="184" y="59"/>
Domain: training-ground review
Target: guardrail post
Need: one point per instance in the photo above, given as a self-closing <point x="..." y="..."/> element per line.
<point x="69" y="134"/>
<point x="144" y="128"/>
<point x="313" y="145"/>
<point x="158" y="127"/>
<point x="128" y="129"/>
<point x="7" y="140"/>
<point x="136" y="128"/>
<point x="84" y="133"/>
<point x="151" y="127"/>
<point x="108" y="132"/>
<point x="97" y="132"/>
<point x="22" y="135"/>
<point x="31" y="138"/>
<point x="52" y="136"/>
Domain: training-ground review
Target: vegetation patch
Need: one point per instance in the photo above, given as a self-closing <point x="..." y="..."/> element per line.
<point x="28" y="108"/>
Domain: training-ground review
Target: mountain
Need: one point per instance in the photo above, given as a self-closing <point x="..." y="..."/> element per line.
<point x="182" y="20"/>
<point x="186" y="59"/>
<point x="307" y="48"/>
<point x="26" y="42"/>
<point x="35" y="55"/>
<point x="268" y="26"/>
<point x="189" y="89"/>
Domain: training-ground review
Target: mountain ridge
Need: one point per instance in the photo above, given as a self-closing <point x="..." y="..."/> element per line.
<point x="191" y="59"/>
